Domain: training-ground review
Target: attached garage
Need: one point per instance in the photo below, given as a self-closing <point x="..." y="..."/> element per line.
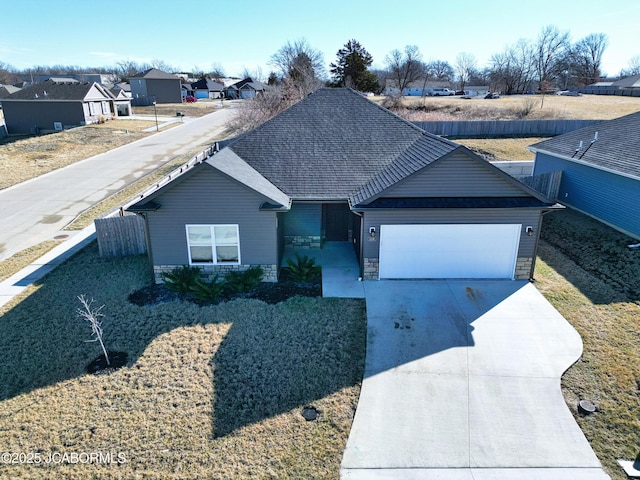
<point x="449" y="251"/>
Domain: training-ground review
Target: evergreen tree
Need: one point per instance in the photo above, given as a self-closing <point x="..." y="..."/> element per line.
<point x="351" y="68"/>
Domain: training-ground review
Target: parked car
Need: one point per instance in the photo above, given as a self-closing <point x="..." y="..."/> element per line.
<point x="190" y="99"/>
<point x="438" y="92"/>
<point x="492" y="95"/>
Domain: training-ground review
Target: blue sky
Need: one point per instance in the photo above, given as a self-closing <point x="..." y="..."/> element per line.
<point x="244" y="34"/>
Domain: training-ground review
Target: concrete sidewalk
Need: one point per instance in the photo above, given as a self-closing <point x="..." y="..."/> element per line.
<point x="462" y="381"/>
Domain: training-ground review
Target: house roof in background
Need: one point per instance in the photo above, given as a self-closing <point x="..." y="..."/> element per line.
<point x="50" y="91"/>
<point x="628" y="82"/>
<point x="6" y="90"/>
<point x="333" y="142"/>
<point x="155" y="74"/>
<point x="207" y="84"/>
<point x="617" y="148"/>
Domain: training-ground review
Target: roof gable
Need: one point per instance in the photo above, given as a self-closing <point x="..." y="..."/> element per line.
<point x="330" y="144"/>
<point x="155" y="74"/>
<point x="616" y="149"/>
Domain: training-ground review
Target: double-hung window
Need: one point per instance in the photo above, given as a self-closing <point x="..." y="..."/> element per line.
<point x="213" y="244"/>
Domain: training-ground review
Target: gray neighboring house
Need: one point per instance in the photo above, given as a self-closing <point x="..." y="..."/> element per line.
<point x="244" y="89"/>
<point x="600" y="167"/>
<point x="155" y="85"/>
<point x="207" y="88"/>
<point x="51" y="106"/>
<point x="337" y="167"/>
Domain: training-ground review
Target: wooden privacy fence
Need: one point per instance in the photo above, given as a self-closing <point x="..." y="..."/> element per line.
<point x="547" y="183"/>
<point x="121" y="236"/>
<point x="503" y="128"/>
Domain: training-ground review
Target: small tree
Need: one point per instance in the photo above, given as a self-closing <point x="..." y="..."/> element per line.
<point x="93" y="316"/>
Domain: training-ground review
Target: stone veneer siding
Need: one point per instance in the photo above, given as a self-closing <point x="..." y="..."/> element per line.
<point x="302" y="241"/>
<point x="209" y="271"/>
<point x="523" y="268"/>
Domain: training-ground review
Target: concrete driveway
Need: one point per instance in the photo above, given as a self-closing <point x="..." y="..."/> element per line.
<point x="462" y="381"/>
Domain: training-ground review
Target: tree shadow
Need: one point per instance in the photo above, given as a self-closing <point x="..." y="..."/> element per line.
<point x="592" y="256"/>
<point x="296" y="353"/>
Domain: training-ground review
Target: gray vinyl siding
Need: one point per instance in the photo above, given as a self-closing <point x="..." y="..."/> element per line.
<point x="611" y="198"/>
<point x="525" y="217"/>
<point x="455" y="176"/>
<point x="303" y="219"/>
<point x="165" y="91"/>
<point x="22" y="117"/>
<point x="211" y="198"/>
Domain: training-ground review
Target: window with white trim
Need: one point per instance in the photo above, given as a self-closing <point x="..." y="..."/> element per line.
<point x="213" y="244"/>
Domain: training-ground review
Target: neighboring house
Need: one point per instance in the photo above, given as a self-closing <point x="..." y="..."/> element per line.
<point x="6" y="90"/>
<point x="121" y="102"/>
<point x="600" y="167"/>
<point x="244" y="89"/>
<point x="476" y="90"/>
<point x="154" y="85"/>
<point x="628" y="86"/>
<point x="414" y="89"/>
<point x="338" y="167"/>
<point x="207" y="88"/>
<point x="51" y="106"/>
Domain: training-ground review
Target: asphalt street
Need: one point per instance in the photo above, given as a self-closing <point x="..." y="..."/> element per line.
<point x="38" y="209"/>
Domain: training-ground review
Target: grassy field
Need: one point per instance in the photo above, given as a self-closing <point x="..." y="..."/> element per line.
<point x="516" y="107"/>
<point x="587" y="272"/>
<point x="505" y="149"/>
<point x="208" y="392"/>
<point x="195" y="109"/>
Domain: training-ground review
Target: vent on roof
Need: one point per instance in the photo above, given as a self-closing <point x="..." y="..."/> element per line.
<point x="595" y="138"/>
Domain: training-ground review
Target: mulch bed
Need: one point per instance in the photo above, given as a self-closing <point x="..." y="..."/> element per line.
<point x="268" y="292"/>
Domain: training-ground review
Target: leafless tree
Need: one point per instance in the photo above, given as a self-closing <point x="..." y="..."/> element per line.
<point x="465" y="67"/>
<point x="93" y="316"/>
<point x="512" y="70"/>
<point x="633" y="67"/>
<point x="405" y="67"/>
<point x="587" y="58"/>
<point x="300" y="66"/>
<point x="551" y="49"/>
<point x="440" y="70"/>
<point x="8" y="74"/>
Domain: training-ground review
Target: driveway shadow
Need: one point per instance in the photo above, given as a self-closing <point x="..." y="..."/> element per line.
<point x="422" y="324"/>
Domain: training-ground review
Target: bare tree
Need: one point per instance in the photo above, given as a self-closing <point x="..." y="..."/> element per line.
<point x="551" y="49"/>
<point x="587" y="58"/>
<point x="465" y="67"/>
<point x="8" y="74"/>
<point x="300" y="66"/>
<point x="633" y="67"/>
<point x="405" y="67"/>
<point x="93" y="316"/>
<point x="440" y="70"/>
<point x="512" y="71"/>
<point x="162" y="65"/>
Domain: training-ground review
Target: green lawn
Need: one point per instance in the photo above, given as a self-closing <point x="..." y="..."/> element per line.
<point x="208" y="392"/>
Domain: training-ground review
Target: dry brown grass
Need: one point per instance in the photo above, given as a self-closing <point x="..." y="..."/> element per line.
<point x="501" y="148"/>
<point x="23" y="158"/>
<point x="532" y="107"/>
<point x="586" y="271"/>
<point x="208" y="392"/>
<point x="195" y="109"/>
<point x="25" y="257"/>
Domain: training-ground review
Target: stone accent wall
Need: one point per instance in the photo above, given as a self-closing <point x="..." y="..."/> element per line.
<point x="371" y="269"/>
<point x="302" y="241"/>
<point x="270" y="271"/>
<point x="523" y="268"/>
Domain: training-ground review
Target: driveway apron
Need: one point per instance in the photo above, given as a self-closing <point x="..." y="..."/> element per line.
<point x="462" y="381"/>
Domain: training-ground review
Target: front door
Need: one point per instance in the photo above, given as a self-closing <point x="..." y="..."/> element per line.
<point x="337" y="218"/>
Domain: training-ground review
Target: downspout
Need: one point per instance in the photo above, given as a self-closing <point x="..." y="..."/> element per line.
<point x="360" y="246"/>
<point x="535" y="252"/>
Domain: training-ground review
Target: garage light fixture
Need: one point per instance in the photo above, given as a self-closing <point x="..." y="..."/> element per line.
<point x="529" y="230"/>
<point x="372" y="232"/>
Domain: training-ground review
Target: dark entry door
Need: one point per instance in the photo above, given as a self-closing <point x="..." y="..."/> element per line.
<point x="337" y="217"/>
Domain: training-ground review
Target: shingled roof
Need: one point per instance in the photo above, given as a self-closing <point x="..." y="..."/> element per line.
<point x="617" y="148"/>
<point x="50" y="90"/>
<point x="155" y="74"/>
<point x="336" y="143"/>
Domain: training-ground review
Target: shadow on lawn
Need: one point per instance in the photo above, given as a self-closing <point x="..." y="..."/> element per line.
<point x="273" y="358"/>
<point x="299" y="351"/>
<point x="601" y="252"/>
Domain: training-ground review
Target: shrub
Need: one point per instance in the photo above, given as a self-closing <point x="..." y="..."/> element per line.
<point x="181" y="279"/>
<point x="243" y="282"/>
<point x="207" y="291"/>
<point x="303" y="269"/>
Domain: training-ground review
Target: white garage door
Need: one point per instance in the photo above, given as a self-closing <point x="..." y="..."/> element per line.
<point x="449" y="251"/>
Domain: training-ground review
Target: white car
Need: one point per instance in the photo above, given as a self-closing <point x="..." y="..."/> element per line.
<point x="437" y="92"/>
